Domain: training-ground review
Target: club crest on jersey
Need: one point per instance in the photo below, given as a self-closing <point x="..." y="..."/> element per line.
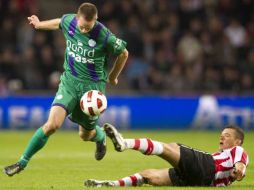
<point x="91" y="43"/>
<point x="59" y="97"/>
<point x="71" y="32"/>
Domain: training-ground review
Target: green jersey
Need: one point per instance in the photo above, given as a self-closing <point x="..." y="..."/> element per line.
<point x="86" y="54"/>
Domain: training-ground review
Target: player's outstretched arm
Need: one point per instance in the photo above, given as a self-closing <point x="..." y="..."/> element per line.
<point x="44" y="25"/>
<point x="118" y="67"/>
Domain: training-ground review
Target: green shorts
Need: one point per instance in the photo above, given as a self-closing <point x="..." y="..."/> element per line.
<point x="68" y="96"/>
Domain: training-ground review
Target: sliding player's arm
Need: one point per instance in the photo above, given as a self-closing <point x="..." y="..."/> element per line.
<point x="240" y="163"/>
<point x="239" y="171"/>
<point x="44" y="25"/>
<point x="118" y="67"/>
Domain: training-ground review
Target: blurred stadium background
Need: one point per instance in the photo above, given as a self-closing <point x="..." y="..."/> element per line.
<point x="191" y="62"/>
<point x="191" y="66"/>
<point x="186" y="46"/>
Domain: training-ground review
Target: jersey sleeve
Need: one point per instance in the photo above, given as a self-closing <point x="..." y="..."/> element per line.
<point x="240" y="155"/>
<point x="64" y="22"/>
<point x="115" y="45"/>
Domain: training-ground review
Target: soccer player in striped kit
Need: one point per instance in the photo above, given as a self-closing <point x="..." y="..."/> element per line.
<point x="88" y="46"/>
<point x="191" y="167"/>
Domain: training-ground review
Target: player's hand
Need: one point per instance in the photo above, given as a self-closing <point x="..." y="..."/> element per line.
<point x="34" y="20"/>
<point x="113" y="81"/>
<point x="237" y="174"/>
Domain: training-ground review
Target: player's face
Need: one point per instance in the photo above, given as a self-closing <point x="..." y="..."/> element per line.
<point x="84" y="25"/>
<point x="228" y="139"/>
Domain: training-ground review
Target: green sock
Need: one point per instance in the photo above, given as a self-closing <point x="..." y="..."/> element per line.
<point x="100" y="134"/>
<point x="38" y="140"/>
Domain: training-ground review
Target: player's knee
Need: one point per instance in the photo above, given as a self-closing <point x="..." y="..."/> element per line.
<point x="86" y="135"/>
<point x="50" y="127"/>
<point x="83" y="136"/>
<point x="146" y="173"/>
<point x="170" y="147"/>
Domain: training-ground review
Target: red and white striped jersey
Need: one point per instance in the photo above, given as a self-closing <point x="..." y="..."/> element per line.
<point x="224" y="163"/>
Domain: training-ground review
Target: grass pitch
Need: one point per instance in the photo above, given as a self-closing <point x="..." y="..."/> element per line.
<point x="65" y="162"/>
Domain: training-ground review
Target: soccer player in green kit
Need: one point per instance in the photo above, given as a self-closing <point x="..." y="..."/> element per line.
<point x="88" y="45"/>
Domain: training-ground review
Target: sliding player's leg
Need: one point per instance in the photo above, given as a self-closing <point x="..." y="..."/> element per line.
<point x="169" y="152"/>
<point x="39" y="139"/>
<point x="156" y="177"/>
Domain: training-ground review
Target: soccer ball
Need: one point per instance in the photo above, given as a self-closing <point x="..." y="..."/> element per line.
<point x="93" y="103"/>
